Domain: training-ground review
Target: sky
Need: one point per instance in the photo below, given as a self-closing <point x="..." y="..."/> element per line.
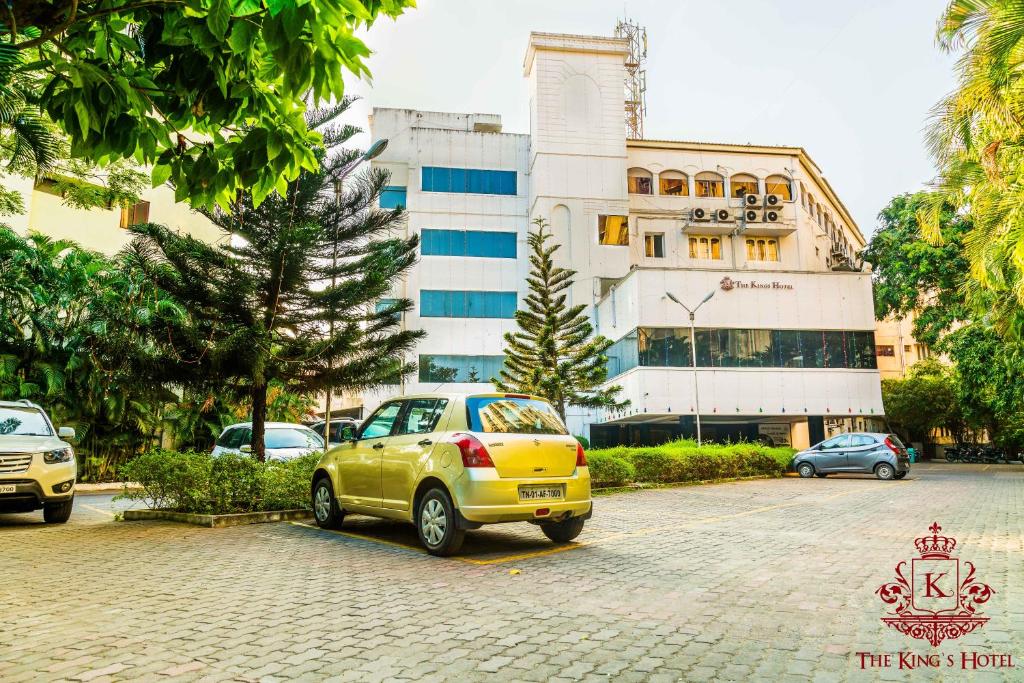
<point x="850" y="81"/>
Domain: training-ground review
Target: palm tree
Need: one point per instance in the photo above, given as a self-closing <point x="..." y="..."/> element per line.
<point x="977" y="138"/>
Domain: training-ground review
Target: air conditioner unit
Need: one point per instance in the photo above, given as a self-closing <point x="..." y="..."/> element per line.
<point x="772" y="201"/>
<point x="752" y="216"/>
<point x="772" y="215"/>
<point x="751" y="200"/>
<point x="699" y="213"/>
<point x="723" y="215"/>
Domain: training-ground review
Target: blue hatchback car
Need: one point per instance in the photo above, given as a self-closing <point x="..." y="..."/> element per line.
<point x="883" y="455"/>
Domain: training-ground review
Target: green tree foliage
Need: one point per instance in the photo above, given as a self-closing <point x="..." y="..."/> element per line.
<point x="66" y="316"/>
<point x="211" y="93"/>
<point x="926" y="399"/>
<point x="915" y="275"/>
<point x="554" y="354"/>
<point x="32" y="146"/>
<point x="978" y="142"/>
<point x="270" y="302"/>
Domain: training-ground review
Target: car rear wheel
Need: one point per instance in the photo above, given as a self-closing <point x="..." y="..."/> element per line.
<point x="885" y="471"/>
<point x="805" y="469"/>
<point x="436" y="524"/>
<point x="900" y="475"/>
<point x="58" y="513"/>
<point x="326" y="511"/>
<point x="563" y="532"/>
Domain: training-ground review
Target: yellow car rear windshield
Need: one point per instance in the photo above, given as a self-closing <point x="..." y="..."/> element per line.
<point x="513" y="415"/>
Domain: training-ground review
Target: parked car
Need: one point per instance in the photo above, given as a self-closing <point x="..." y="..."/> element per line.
<point x="450" y="462"/>
<point x="337" y="426"/>
<point x="283" y="440"/>
<point x="883" y="455"/>
<point x="37" y="464"/>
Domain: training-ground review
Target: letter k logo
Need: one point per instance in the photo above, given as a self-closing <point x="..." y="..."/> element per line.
<point x="929" y="580"/>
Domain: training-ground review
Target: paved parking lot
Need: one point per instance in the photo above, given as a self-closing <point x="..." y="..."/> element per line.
<point x="760" y="580"/>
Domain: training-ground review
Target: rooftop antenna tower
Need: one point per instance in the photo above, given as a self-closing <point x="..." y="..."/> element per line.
<point x="636" y="76"/>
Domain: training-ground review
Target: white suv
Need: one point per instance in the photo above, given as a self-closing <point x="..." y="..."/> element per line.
<point x="37" y="467"/>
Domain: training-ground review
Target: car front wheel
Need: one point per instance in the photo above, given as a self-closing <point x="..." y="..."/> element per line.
<point x="563" y="532"/>
<point x="326" y="511"/>
<point x="58" y="513"/>
<point x="885" y="471"/>
<point x="805" y="470"/>
<point x="436" y="525"/>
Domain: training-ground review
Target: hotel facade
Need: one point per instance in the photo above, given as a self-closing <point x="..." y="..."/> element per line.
<point x="784" y="347"/>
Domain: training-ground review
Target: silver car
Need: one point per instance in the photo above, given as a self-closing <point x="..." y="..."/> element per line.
<point x="883" y="455"/>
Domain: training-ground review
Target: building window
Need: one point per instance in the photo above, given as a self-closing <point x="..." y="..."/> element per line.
<point x="468" y="180"/>
<point x="654" y="245"/>
<point x="384" y="304"/>
<point x="134" y="214"/>
<point x="885" y="350"/>
<point x="762" y="249"/>
<point x="779" y="184"/>
<point x="393" y="197"/>
<point x="467" y="304"/>
<point x="741" y="184"/>
<point x="743" y="348"/>
<point x="639" y="181"/>
<point x="613" y="230"/>
<point x="481" y="243"/>
<point x="673" y="184"/>
<point x="468" y="369"/>
<point x="707" y="248"/>
<point x="708" y="184"/>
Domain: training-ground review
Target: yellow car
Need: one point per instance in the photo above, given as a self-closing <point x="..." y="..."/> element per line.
<point x="450" y="462"/>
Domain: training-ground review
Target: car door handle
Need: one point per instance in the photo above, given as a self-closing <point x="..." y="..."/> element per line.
<point x="425" y="442"/>
<point x="379" y="444"/>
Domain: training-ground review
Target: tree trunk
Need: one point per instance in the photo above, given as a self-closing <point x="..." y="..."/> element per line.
<point x="259" y="419"/>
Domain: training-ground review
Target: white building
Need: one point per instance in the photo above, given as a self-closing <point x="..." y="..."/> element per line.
<point x="785" y="346"/>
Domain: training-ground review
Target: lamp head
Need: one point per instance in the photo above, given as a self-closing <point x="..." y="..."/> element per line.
<point x="375" y="149"/>
<point x="708" y="297"/>
<point x="670" y="296"/>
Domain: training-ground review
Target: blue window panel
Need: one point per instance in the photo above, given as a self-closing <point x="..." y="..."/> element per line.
<point x="427" y="245"/>
<point x="392" y="197"/>
<point x="384" y="304"/>
<point x="504" y="244"/>
<point x="460" y="304"/>
<point x="445" y="368"/>
<point x="476" y="181"/>
<point x="477" y="243"/>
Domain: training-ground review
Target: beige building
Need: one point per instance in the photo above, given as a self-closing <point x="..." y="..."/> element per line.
<point x="895" y="347"/>
<point x="102" y="230"/>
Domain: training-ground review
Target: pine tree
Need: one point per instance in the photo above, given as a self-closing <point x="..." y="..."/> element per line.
<point x="554" y="354"/>
<point x="289" y="295"/>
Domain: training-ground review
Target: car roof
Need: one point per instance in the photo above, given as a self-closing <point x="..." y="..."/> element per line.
<point x="267" y="425"/>
<point x="23" y="403"/>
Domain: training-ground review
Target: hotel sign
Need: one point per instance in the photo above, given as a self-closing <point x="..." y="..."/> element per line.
<point x="728" y="284"/>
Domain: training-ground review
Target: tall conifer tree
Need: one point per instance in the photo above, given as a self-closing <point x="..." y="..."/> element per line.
<point x="554" y="354"/>
<point x="290" y="294"/>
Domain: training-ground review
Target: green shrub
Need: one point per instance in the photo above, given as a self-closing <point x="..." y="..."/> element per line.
<point x="608" y="470"/>
<point x="684" y="461"/>
<point x="583" y="440"/>
<point x="200" y="483"/>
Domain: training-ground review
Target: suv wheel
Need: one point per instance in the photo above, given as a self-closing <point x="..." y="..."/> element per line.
<point x="58" y="513"/>
<point x="563" y="532"/>
<point x="885" y="471"/>
<point x="805" y="470"/>
<point x="325" y="507"/>
<point x="900" y="475"/>
<point x="436" y="525"/>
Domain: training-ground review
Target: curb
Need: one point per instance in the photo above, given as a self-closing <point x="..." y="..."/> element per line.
<point x="105" y="488"/>
<point x="216" y="521"/>
<point x="609" y="490"/>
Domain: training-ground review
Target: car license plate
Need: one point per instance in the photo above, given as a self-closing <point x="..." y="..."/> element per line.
<point x="8" y="488"/>
<point x="531" y="493"/>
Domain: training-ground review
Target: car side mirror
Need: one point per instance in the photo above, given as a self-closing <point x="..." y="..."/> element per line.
<point x="66" y="432"/>
<point x="245" y="448"/>
<point x="348" y="433"/>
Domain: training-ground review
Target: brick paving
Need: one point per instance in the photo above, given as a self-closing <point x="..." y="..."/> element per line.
<point x="760" y="580"/>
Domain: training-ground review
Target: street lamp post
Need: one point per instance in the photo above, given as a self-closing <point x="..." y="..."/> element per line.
<point x="373" y="152"/>
<point x="693" y="352"/>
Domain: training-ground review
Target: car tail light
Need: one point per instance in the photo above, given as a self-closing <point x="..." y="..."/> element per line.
<point x="892" y="446"/>
<point x="517" y="396"/>
<point x="473" y="452"/>
<point x="581" y="457"/>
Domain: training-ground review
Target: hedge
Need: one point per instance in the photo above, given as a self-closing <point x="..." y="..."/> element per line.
<point x="200" y="483"/>
<point x="684" y="461"/>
